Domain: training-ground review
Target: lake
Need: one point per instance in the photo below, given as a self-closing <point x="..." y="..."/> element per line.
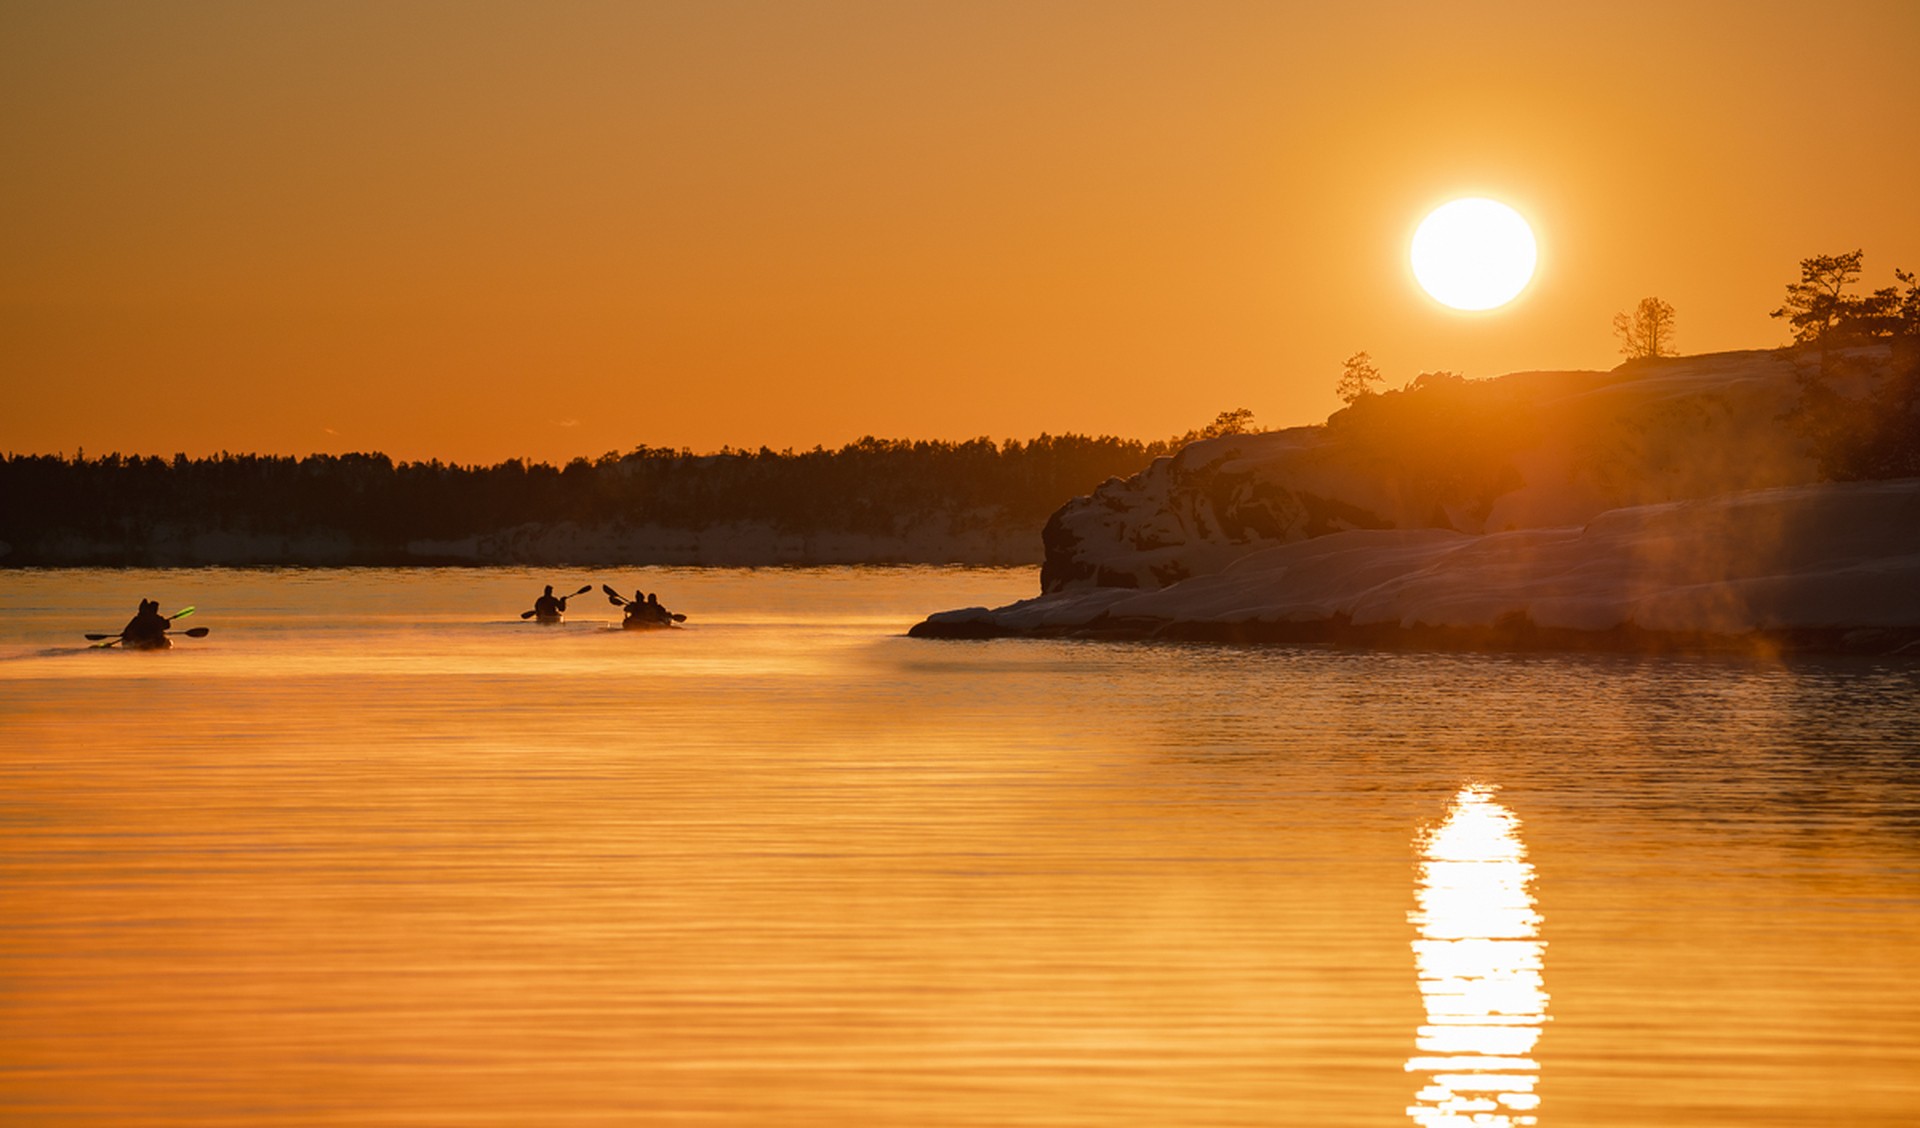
<point x="378" y="852"/>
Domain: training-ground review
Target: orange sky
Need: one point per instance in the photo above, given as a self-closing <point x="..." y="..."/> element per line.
<point x="476" y="230"/>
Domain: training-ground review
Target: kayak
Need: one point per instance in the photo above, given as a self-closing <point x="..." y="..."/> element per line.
<point x="633" y="624"/>
<point x="156" y="642"/>
<point x="550" y="620"/>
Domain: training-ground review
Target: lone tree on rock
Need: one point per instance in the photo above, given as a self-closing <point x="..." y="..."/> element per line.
<point x="1357" y="378"/>
<point x="1647" y="331"/>
<point x="1819" y="303"/>
<point x="1818" y="306"/>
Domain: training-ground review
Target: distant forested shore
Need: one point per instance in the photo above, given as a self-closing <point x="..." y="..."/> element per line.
<point x="874" y="500"/>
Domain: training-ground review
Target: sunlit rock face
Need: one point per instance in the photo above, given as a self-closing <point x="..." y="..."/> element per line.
<point x="1832" y="566"/>
<point x="1481" y="969"/>
<point x="1197" y="511"/>
<point x="1524" y="451"/>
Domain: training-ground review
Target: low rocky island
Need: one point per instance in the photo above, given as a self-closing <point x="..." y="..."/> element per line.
<point x="1753" y="501"/>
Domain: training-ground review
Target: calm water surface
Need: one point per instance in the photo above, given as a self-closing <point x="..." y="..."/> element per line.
<point x="377" y="852"/>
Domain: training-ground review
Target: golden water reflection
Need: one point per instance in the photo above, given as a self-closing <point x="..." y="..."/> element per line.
<point x="1479" y="960"/>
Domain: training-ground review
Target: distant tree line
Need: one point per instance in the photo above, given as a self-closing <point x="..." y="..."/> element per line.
<point x="869" y="486"/>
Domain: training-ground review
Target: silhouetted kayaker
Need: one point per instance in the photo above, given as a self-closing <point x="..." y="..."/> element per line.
<point x="149" y="625"/>
<point x="645" y="611"/>
<point x="550" y="607"/>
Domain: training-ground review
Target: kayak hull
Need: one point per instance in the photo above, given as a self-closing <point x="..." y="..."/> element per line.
<point x="549" y="620"/>
<point x="645" y="625"/>
<point x="162" y="642"/>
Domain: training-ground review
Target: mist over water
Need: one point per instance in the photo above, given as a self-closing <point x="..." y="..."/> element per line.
<point x="378" y="852"/>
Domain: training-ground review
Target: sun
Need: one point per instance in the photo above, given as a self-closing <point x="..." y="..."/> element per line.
<point x="1474" y="254"/>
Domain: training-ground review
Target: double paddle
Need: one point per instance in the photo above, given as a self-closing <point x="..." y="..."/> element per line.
<point x="192" y="632"/>
<point x="563" y="602"/>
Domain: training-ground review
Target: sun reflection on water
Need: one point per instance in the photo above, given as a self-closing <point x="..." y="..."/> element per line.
<point x="1480" y="961"/>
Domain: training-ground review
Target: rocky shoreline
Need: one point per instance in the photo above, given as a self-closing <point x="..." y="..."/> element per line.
<point x="1519" y="634"/>
<point x="1826" y="568"/>
<point x="1665" y="507"/>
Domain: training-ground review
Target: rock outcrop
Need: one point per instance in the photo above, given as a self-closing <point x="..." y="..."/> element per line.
<point x="1830" y="567"/>
<point x="1671" y="503"/>
<point x="1530" y="450"/>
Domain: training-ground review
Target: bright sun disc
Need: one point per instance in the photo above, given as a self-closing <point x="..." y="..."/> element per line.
<point x="1473" y="254"/>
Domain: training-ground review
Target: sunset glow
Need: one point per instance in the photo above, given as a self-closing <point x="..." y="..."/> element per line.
<point x="319" y="227"/>
<point x="1474" y="254"/>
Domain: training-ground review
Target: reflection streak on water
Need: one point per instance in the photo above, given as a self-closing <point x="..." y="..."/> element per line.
<point x="1479" y="962"/>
